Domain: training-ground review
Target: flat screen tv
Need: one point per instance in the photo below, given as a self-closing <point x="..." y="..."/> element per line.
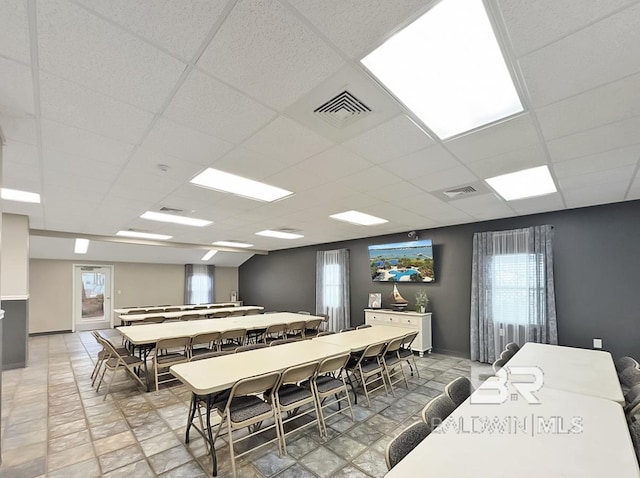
<point x="410" y="261"/>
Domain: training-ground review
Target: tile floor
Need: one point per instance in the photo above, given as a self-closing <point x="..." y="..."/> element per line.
<point x="54" y="424"/>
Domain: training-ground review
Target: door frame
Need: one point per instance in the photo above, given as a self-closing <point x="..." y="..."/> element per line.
<point x="74" y="266"/>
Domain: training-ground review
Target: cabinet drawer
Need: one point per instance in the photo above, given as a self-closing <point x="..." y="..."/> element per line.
<point x="405" y="321"/>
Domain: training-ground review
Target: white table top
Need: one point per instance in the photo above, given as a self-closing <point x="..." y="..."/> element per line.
<point x="151" y="333"/>
<point x="359" y="339"/>
<point x="589" y="372"/>
<point x="128" y="310"/>
<point x="211" y="375"/>
<point x="526" y="447"/>
<point x="179" y="313"/>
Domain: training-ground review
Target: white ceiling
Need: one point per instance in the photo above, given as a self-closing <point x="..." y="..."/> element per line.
<point x="95" y="94"/>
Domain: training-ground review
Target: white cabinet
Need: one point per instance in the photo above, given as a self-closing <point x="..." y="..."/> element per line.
<point x="409" y="320"/>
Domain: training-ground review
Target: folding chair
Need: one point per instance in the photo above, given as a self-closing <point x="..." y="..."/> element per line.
<point x="328" y="382"/>
<point x="115" y="362"/>
<point x="369" y="365"/>
<point x="169" y="352"/>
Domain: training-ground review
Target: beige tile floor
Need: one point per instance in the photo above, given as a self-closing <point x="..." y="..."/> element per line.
<point x="55" y="424"/>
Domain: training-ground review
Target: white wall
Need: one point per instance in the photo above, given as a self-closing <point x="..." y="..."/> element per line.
<point x="15" y="256"/>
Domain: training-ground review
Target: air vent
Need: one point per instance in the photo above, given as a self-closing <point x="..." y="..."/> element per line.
<point x="342" y="110"/>
<point x="288" y="229"/>
<point x="171" y="209"/>
<point x="456" y="193"/>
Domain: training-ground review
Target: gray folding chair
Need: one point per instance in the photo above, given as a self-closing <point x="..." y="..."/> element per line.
<point x="401" y="445"/>
<point x="437" y="410"/>
<point x="458" y="390"/>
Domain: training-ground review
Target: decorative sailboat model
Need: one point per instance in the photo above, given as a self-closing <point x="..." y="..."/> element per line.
<point x="397" y="301"/>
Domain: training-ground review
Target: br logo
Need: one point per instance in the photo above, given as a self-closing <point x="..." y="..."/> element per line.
<point x="510" y="383"/>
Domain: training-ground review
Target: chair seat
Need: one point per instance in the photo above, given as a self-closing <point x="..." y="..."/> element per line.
<point x="327" y="384"/>
<point x="245" y="408"/>
<point x="171" y="357"/>
<point x="129" y="360"/>
<point x="391" y="359"/>
<point x="404" y="353"/>
<point x="370" y="366"/>
<point x="293" y="395"/>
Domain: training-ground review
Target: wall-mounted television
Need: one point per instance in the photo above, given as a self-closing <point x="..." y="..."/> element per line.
<point x="410" y="261"/>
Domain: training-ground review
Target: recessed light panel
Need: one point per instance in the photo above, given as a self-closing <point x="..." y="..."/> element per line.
<point x="359" y="218"/>
<point x="232" y="244"/>
<point x="209" y="255"/>
<point x="20" y="196"/>
<point x="230" y="183"/>
<point x="185" y="221"/>
<point x="523" y="184"/>
<point x="143" y="235"/>
<point x="279" y="234"/>
<point x="448" y="69"/>
<point x="81" y="246"/>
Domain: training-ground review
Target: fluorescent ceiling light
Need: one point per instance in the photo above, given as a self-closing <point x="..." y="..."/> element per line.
<point x="143" y="235"/>
<point x="448" y="69"/>
<point x="232" y="244"/>
<point x="230" y="183"/>
<point x="82" y="246"/>
<point x="185" y="221"/>
<point x="523" y="184"/>
<point x="20" y="196"/>
<point x="360" y="218"/>
<point x="209" y="255"/>
<point x="279" y="234"/>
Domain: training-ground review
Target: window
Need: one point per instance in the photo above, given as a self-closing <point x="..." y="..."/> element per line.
<point x="199" y="284"/>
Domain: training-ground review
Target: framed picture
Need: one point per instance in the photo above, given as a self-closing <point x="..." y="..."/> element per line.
<point x="375" y="300"/>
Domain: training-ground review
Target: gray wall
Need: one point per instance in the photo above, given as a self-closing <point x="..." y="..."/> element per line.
<point x="597" y="262"/>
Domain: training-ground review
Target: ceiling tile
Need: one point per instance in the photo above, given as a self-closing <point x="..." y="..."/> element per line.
<point x="275" y="65"/>
<point x="16" y="89"/>
<point x="554" y="19"/>
<point x="244" y="162"/>
<point x="185" y="143"/>
<point x="179" y="27"/>
<point x="20" y="168"/>
<point x="357" y="25"/>
<point x="597" y="140"/>
<point x="516" y="160"/>
<point x="84" y="144"/>
<point x="392" y="139"/>
<point x="423" y="162"/>
<point x="598" y="162"/>
<point x="211" y="107"/>
<point x="68" y="103"/>
<point x="370" y="180"/>
<point x="634" y="191"/>
<point x="295" y="178"/>
<point x="147" y="162"/>
<point x="509" y="135"/>
<point x="456" y="176"/>
<point x="607" y="104"/>
<point x="14" y="30"/>
<point x="590" y="196"/>
<point x="597" y="179"/>
<point x="598" y="54"/>
<point x="65" y="184"/>
<point x="301" y="143"/>
<point x="88" y="168"/>
<point x="483" y="206"/>
<point x="94" y="53"/>
<point x="334" y="163"/>
<point x="548" y="202"/>
<point x="22" y="153"/>
<point x="19" y="128"/>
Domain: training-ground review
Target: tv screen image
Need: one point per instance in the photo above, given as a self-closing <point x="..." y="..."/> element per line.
<point x="410" y="261"/>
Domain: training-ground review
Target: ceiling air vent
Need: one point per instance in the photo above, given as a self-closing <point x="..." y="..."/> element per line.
<point x="171" y="209"/>
<point x="456" y="193"/>
<point x="342" y="109"/>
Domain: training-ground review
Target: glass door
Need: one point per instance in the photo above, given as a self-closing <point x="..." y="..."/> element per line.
<point x="92" y="298"/>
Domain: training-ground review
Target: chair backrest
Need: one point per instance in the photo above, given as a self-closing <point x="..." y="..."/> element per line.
<point x="373" y="350"/>
<point x="625" y="362"/>
<point x="363" y="326"/>
<point x="296" y="327"/>
<point x="332" y="364"/>
<point x="514" y="347"/>
<point x="155" y="310"/>
<point x="233" y="334"/>
<point x="154" y="320"/>
<point x="437" y="410"/>
<point x="217" y="353"/>
<point x="282" y="341"/>
<point x="254" y="385"/>
<point x="298" y="373"/>
<point x="190" y="317"/>
<point x="348" y="329"/>
<point x="458" y="390"/>
<point x="408" y="339"/>
<point x="205" y="338"/>
<point x="393" y="346"/>
<point x="172" y="309"/>
<point x="630" y="376"/>
<point x="252" y="312"/>
<point x="401" y="445"/>
<point x="137" y="312"/>
<point x="313" y="324"/>
<point x="219" y="314"/>
<point x="304" y="312"/>
<point x="276" y="329"/>
<point x="634" y="431"/>
<point x="173" y="343"/>
<point x="506" y="354"/>
<point x="172" y="319"/>
<point x="237" y="313"/>
<point x="244" y="348"/>
<point x="199" y="307"/>
<point x="498" y="364"/>
<point x="326" y="332"/>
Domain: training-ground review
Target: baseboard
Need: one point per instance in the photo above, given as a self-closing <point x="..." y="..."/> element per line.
<point x="54" y="332"/>
<point x="452" y="353"/>
<point x="10" y="366"/>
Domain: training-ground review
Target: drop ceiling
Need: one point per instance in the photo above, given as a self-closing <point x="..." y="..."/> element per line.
<point x="95" y="96"/>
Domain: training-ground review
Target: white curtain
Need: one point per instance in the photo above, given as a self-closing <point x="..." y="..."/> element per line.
<point x="198" y="284"/>
<point x="512" y="290"/>
<point x="332" y="287"/>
